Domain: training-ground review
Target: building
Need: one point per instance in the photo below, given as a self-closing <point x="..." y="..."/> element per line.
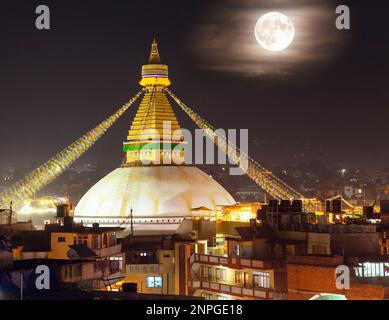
<point x="6" y="257"/>
<point x="241" y="273"/>
<point x="349" y="243"/>
<point x="88" y="257"/>
<point x="312" y="276"/>
<point x="157" y="264"/>
<point x="186" y="236"/>
<point x="285" y="253"/>
<point x="168" y="264"/>
<point x="153" y="187"/>
<point x="352" y="192"/>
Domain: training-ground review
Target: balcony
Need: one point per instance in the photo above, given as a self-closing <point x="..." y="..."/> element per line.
<point x="142" y="268"/>
<point x="92" y="270"/>
<point x="234" y="290"/>
<point x="327" y="228"/>
<point x="234" y="263"/>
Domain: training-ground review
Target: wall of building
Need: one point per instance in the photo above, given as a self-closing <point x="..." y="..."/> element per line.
<point x="355" y="244"/>
<point x="204" y="229"/>
<point x="245" y="249"/>
<point x="319" y="243"/>
<point x="165" y="268"/>
<point x="6" y="258"/>
<point x="228" y="227"/>
<point x="261" y="248"/>
<point x="182" y="253"/>
<point x="59" y="249"/>
<point x="317" y="275"/>
<point x="292" y="235"/>
<point x="367" y="292"/>
<point x="306" y="281"/>
<point x="87" y="275"/>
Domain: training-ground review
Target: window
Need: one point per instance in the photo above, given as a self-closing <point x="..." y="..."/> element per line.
<point x="319" y="249"/>
<point x="261" y="279"/>
<point x="206" y="272"/>
<point x="112" y="239"/>
<point x="143" y="254"/>
<point x="95" y="241"/>
<point x="81" y="239"/>
<point x="235" y="250"/>
<point x="77" y="270"/>
<point x="238" y="277"/>
<point x="221" y="274"/>
<point x="116" y="263"/>
<point x="206" y="296"/>
<point x="105" y="240"/>
<point x="369" y="269"/>
<point x="154" y="282"/>
<point x="61" y="239"/>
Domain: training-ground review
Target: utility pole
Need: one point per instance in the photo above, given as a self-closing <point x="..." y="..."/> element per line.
<point x="21" y="286"/>
<point x="131" y="223"/>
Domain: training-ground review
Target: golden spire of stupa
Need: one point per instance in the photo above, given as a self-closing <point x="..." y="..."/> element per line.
<point x="149" y="137"/>
<point x="154" y="53"/>
<point x="155" y="73"/>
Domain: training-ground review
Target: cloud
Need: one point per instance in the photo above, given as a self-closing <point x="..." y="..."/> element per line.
<point x="224" y="40"/>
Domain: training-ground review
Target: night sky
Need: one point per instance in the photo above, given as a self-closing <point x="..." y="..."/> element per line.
<point x="57" y="84"/>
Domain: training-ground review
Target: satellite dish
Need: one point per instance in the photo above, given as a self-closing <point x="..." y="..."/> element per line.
<point x="191" y="235"/>
<point x="72" y="254"/>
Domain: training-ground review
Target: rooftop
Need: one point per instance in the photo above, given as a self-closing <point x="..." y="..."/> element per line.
<point x="328" y="228"/>
<point x="78" y="228"/>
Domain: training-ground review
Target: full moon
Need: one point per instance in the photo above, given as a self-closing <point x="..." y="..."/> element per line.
<point x="274" y="31"/>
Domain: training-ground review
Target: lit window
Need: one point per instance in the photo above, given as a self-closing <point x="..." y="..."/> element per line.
<point x="319" y="249"/>
<point x="206" y="296"/>
<point x="154" y="282"/>
<point x="221" y="274"/>
<point x="261" y="279"/>
<point x="143" y="254"/>
<point x="239" y="277"/>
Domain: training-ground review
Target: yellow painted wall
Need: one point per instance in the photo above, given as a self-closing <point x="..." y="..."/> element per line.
<point x="166" y="270"/>
<point x="59" y="249"/>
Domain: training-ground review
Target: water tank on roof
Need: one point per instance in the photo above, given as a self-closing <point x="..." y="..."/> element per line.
<point x="63" y="210"/>
<point x="285" y="206"/>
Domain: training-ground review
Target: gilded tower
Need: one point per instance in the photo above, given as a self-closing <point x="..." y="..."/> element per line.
<point x="155" y="136"/>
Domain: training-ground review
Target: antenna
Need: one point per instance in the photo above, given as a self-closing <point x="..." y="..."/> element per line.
<point x="10" y="214"/>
